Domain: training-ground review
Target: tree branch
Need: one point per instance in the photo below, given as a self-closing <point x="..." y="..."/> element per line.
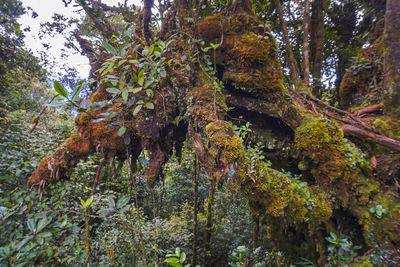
<point x="362" y="134"/>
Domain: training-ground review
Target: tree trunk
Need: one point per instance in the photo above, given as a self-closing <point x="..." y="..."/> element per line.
<point x="306" y="26"/>
<point x="317" y="44"/>
<point x="196" y="193"/>
<point x="291" y="61"/>
<point x="392" y="59"/>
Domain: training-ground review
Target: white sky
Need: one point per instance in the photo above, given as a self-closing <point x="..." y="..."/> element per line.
<point x="45" y="10"/>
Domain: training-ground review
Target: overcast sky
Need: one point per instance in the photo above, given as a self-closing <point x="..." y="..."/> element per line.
<point x="45" y="10"/>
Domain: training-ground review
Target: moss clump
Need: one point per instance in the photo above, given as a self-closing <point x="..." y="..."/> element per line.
<point x="388" y="126"/>
<point x="317" y="135"/>
<point x="211" y="28"/>
<point x="334" y="158"/>
<point x="82" y="119"/>
<point x="208" y="105"/>
<point x="379" y="229"/>
<point x="225" y="151"/>
<point x="258" y="53"/>
<point x="279" y="195"/>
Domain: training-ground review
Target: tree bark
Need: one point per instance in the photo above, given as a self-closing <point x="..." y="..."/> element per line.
<point x="289" y="49"/>
<point x="317" y="44"/>
<point x="306" y="26"/>
<point x="196" y="193"/>
<point x="391" y="96"/>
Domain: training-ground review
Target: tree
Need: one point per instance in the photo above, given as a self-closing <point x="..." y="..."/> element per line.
<point x="158" y="89"/>
<point x="392" y="59"/>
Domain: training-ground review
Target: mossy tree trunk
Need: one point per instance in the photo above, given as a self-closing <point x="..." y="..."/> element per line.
<point x="297" y="130"/>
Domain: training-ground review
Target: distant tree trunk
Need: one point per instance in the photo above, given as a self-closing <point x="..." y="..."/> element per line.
<point x="209" y="223"/>
<point x="391" y="96"/>
<point x="344" y="18"/>
<point x="196" y="189"/>
<point x="317" y="44"/>
<point x="289" y="50"/>
<point x="306" y="26"/>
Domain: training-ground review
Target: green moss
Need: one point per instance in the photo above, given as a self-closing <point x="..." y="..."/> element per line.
<point x="362" y="262"/>
<point x="317" y="135"/>
<point x="224" y="140"/>
<point x="280" y="196"/>
<point x="388" y="126"/>
<point x="225" y="151"/>
<point x="253" y="51"/>
<point x="387" y="227"/>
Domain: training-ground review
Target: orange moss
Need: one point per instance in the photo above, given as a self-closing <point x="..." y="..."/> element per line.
<point x="77" y="145"/>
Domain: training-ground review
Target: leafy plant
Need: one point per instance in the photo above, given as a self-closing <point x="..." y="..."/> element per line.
<point x="378" y="211"/>
<point x="177" y="259"/>
<point x="239" y="256"/>
<point x="341" y="251"/>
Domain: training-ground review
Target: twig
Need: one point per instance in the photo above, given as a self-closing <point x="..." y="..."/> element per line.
<point x="340" y="111"/>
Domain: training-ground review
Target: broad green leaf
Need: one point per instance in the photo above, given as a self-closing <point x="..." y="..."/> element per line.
<point x="137" y="109"/>
<point x="23" y="242"/>
<point x="183" y="257"/>
<point x="111" y="201"/>
<point x="149" y="92"/>
<point x="56" y="104"/>
<point x="122" y="202"/>
<point x="60" y="89"/>
<point x="148" y="83"/>
<point x="125" y="96"/>
<point x="121" y="131"/>
<point x="32" y="224"/>
<point x="109" y="47"/>
<point x="83" y="203"/>
<point x="121" y="62"/>
<point x="158" y="49"/>
<point x="149" y="105"/>
<point x="44" y="235"/>
<point x="42" y="223"/>
<point x="89" y="201"/>
<point x="140" y="77"/>
<point x="112" y="90"/>
<point x="78" y="89"/>
<point x="135" y="90"/>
